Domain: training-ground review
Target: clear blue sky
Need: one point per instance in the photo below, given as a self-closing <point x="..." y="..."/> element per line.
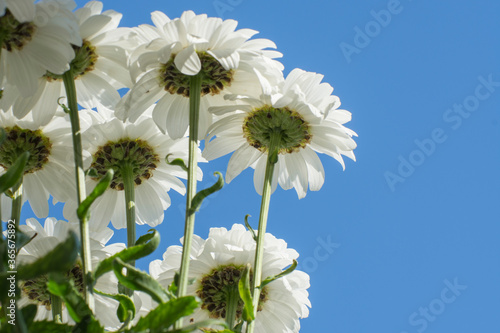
<point x="418" y="212"/>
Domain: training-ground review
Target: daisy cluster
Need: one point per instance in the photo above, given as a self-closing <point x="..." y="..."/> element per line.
<point x="133" y="89"/>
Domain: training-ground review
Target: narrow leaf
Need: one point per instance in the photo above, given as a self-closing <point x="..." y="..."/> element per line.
<point x="275" y="277"/>
<point x="29" y="313"/>
<point x="249" y="227"/>
<point x="178" y="162"/>
<point x="91" y="172"/>
<point x="60" y="286"/>
<point x="126" y="308"/>
<point x="14" y="173"/>
<point x="101" y="186"/>
<point x="166" y="314"/>
<point x="22" y="239"/>
<point x="64" y="107"/>
<point x="137" y="280"/>
<point x="60" y="259"/>
<point x="144" y="246"/>
<point x="198" y="198"/>
<point x="246" y="295"/>
<point x="88" y="324"/>
<point x="3" y="135"/>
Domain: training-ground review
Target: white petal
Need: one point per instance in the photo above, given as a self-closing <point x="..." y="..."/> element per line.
<point x="187" y="61"/>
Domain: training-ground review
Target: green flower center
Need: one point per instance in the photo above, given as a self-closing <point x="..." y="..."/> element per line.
<point x="215" y="288"/>
<point x="16" y="34"/>
<point x="36" y="289"/>
<point x="215" y="77"/>
<point x="262" y="123"/>
<point x="84" y="62"/>
<point x="137" y="154"/>
<point x="17" y="141"/>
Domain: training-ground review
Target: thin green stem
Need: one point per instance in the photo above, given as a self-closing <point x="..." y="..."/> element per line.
<point x="232" y="300"/>
<point x="272" y="158"/>
<point x="17" y="202"/>
<point x="56" y="304"/>
<point x="69" y="84"/>
<point x="129" y="188"/>
<point x="194" y="113"/>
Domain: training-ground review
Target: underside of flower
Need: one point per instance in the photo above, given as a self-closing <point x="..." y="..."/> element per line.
<point x="84" y="61"/>
<point x="16" y="34"/>
<point x="17" y="141"/>
<point x="215" y="77"/>
<point x="215" y="287"/>
<point x="36" y="289"/>
<point x="262" y="123"/>
<point x="137" y="154"/>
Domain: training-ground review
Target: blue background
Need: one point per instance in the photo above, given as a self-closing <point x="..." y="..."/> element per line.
<point x="395" y="246"/>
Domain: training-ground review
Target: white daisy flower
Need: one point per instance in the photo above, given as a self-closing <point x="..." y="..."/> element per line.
<point x="100" y="67"/>
<point x="303" y="112"/>
<point x="47" y="238"/>
<point x="179" y="48"/>
<point x="113" y="143"/>
<point x="36" y="40"/>
<point x="217" y="263"/>
<point x="49" y="171"/>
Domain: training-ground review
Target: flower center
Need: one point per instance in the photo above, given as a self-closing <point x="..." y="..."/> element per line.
<point x="138" y="154"/>
<point x="17" y="141"/>
<point x="215" y="77"/>
<point x="36" y="289"/>
<point x="16" y="34"/>
<point x="215" y="288"/>
<point x="84" y="62"/>
<point x="261" y="123"/>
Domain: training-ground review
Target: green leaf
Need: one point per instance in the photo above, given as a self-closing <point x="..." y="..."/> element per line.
<point x="275" y="277"/>
<point x="29" y="313"/>
<point x="64" y="107"/>
<point x="14" y="173"/>
<point x="91" y="172"/>
<point x="60" y="286"/>
<point x="201" y="324"/>
<point x="60" y="259"/>
<point x="165" y="315"/>
<point x="22" y="239"/>
<point x="100" y="188"/>
<point x="246" y="295"/>
<point x="249" y="227"/>
<point x="126" y="305"/>
<point x="88" y="324"/>
<point x="49" y="326"/>
<point x="137" y="280"/>
<point x="173" y="287"/>
<point x="3" y="135"/>
<point x="178" y="162"/>
<point x="198" y="198"/>
<point x="144" y="246"/>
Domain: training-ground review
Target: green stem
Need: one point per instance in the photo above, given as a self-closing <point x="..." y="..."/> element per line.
<point x="194" y="113"/>
<point x="56" y="304"/>
<point x="232" y="300"/>
<point x="17" y="202"/>
<point x="272" y="158"/>
<point x="69" y="84"/>
<point x="129" y="188"/>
